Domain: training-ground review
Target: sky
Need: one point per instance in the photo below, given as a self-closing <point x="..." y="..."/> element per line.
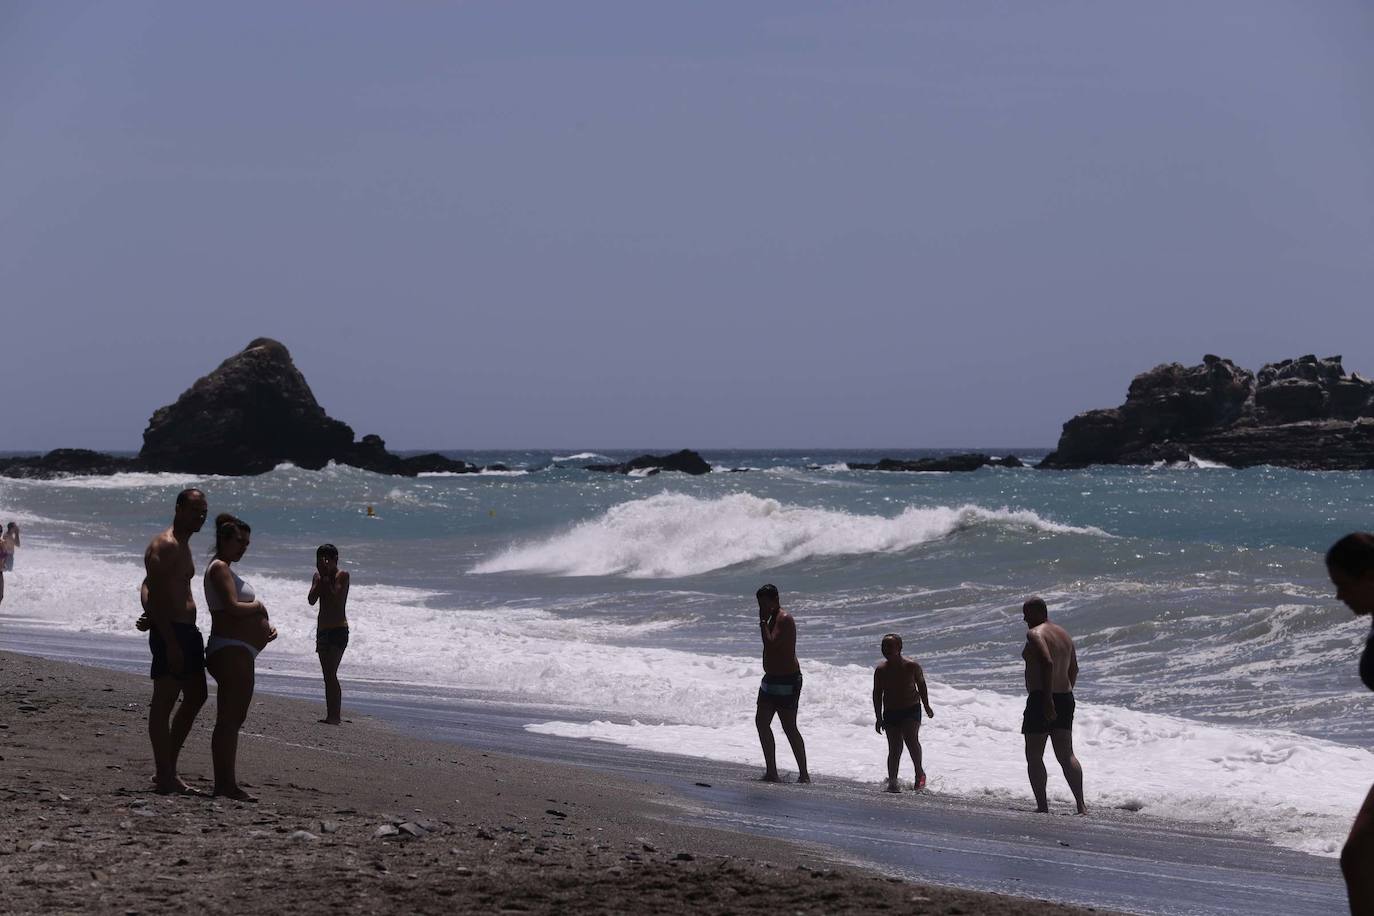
<point x="647" y="224"/>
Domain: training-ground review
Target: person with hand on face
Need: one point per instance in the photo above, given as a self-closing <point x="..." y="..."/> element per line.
<point x="1350" y="564"/>
<point x="330" y="589"/>
<point x="780" y="691"/>
<point x="239" y="630"/>
<point x="899" y="692"/>
<point x="174" y="639"/>
<point x="1051" y="673"/>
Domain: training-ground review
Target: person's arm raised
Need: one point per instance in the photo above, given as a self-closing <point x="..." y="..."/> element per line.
<point x="314" y="589"/>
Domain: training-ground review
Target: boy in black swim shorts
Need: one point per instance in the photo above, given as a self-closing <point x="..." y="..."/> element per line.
<point x="330" y="589"/>
<point x="899" y="692"/>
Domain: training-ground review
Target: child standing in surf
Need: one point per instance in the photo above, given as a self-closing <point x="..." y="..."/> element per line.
<point x="899" y="692"/>
<point x="330" y="589"/>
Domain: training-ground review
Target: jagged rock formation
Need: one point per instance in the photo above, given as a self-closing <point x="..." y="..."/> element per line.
<point x="1299" y="413"/>
<point x="968" y="462"/>
<point x="252" y="413"/>
<point x="686" y="461"/>
<point x="249" y="415"/>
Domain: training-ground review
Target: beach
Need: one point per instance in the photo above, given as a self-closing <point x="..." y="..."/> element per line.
<point x="566" y="622"/>
<point x="364" y="818"/>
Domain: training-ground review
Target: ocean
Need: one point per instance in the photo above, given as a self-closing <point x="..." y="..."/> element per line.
<point x="1218" y="674"/>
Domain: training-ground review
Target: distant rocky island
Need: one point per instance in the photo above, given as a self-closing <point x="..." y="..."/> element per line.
<point x="1304" y="413"/>
<point x="252" y="413"/>
<point x="255" y="411"/>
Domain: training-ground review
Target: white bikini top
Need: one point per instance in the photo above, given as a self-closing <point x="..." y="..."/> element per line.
<point x="243" y="592"/>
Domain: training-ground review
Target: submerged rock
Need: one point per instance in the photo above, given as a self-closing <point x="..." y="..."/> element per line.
<point x="66" y="462"/>
<point x="967" y="462"/>
<point x="1299" y="413"/>
<point x="686" y="461"/>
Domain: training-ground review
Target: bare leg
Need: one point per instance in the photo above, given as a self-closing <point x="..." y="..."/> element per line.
<point x="894" y="755"/>
<point x="165" y="693"/>
<point x="911" y="734"/>
<point x="333" y="693"/>
<point x="232" y="668"/>
<point x="1357" y="860"/>
<point x="193" y="694"/>
<point x="788" y="718"/>
<point x="1035" y="768"/>
<point x="763" y="720"/>
<point x="1062" y="739"/>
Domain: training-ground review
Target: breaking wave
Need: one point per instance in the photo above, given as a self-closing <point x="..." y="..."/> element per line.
<point x="672" y="534"/>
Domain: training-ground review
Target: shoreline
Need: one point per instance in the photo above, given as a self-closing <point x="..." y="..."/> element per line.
<point x="367" y="817"/>
<point x="967" y="843"/>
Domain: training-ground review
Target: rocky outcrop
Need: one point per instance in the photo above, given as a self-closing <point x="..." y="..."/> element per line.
<point x="968" y="462"/>
<point x="249" y="415"/>
<point x="252" y="413"/>
<point x="66" y="462"/>
<point x="1299" y="413"/>
<point x="686" y="461"/>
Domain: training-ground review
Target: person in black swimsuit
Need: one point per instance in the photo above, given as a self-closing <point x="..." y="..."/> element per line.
<point x="1350" y="564"/>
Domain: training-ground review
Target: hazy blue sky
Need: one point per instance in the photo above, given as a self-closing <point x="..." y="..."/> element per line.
<point x="653" y="224"/>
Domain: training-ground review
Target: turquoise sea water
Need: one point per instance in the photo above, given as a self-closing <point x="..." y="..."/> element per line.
<point x="1216" y="666"/>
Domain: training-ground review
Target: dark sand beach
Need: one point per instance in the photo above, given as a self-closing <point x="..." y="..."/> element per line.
<point x="365" y="818"/>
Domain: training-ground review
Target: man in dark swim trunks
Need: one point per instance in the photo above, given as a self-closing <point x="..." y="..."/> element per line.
<point x="899" y="692"/>
<point x="1051" y="672"/>
<point x="780" y="691"/>
<point x="174" y="639"/>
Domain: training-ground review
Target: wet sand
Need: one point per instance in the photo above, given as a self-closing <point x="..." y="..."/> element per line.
<point x="366" y="818"/>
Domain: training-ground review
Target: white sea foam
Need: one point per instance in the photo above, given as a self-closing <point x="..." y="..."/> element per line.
<point x="581" y="456"/>
<point x="673" y="534"/>
<point x="125" y="481"/>
<point x="1193" y="463"/>
<point x="1258" y="781"/>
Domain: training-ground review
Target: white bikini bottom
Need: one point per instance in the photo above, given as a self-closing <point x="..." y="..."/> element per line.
<point x="219" y="642"/>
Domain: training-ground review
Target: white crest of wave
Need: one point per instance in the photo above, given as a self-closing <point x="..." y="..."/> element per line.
<point x="673" y="534"/>
<point x="581" y="456"/>
<point x="125" y="481"/>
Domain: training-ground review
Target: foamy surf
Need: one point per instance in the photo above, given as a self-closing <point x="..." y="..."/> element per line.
<point x="671" y="535"/>
<point x="1293" y="790"/>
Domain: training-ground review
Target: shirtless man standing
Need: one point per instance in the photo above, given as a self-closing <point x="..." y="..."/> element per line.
<point x="1051" y="672"/>
<point x="782" y="683"/>
<point x="176" y="643"/>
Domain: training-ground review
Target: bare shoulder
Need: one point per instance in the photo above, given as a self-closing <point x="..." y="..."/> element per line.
<point x="913" y="666"/>
<point x="882" y="667"/>
<point x="343" y="577"/>
<point x="162" y="546"/>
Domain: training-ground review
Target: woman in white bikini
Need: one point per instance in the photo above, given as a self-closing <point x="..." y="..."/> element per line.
<point x="239" y="629"/>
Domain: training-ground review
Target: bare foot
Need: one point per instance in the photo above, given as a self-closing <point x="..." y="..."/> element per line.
<point x="1042" y="810"/>
<point x="892" y="786"/>
<point x="769" y="777"/>
<point x="235" y="793"/>
<point x="1083" y="810"/>
<point x="331" y="721"/>
<point x="176" y="786"/>
<point x="921" y="781"/>
<point x="804" y="777"/>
